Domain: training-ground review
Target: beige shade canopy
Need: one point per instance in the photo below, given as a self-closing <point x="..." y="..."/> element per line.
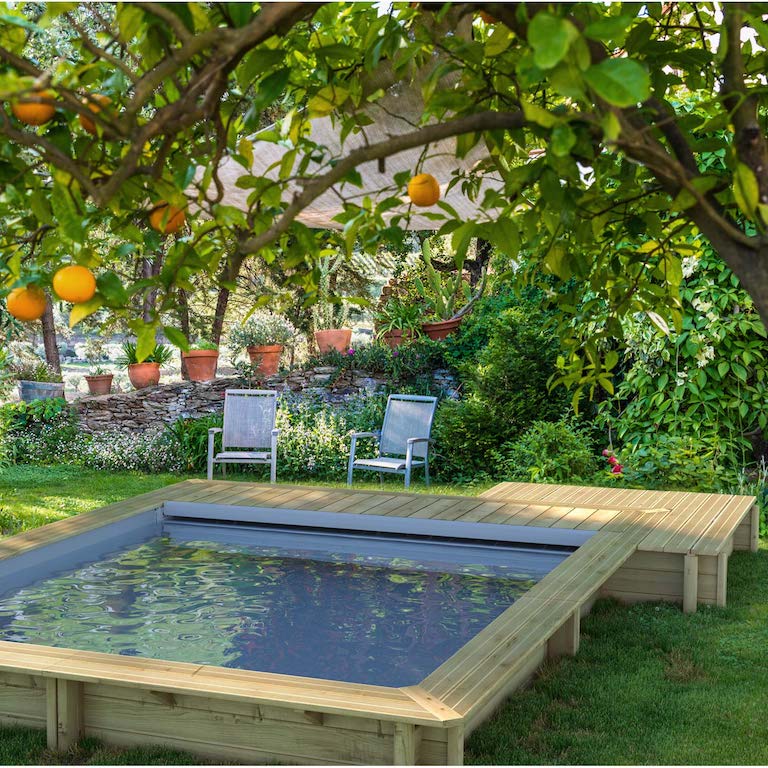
<point x="396" y="113"/>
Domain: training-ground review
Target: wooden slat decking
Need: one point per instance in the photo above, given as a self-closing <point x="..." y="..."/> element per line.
<point x="688" y="523"/>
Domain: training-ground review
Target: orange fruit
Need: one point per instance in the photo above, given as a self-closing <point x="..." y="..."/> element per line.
<point x="26" y="303"/>
<point x="75" y="284"/>
<point x="487" y="18"/>
<point x="34" y="112"/>
<point x="166" y="218"/>
<point x="102" y="101"/>
<point x="424" y="190"/>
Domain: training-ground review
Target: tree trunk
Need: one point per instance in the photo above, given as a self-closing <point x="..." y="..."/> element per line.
<point x="183" y="306"/>
<point x="49" y="338"/>
<point x="229" y="274"/>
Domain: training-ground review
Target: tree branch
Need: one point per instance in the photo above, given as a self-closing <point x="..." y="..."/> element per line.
<point x="751" y="146"/>
<point x="482" y="121"/>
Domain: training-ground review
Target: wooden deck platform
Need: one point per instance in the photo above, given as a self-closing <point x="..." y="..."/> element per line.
<point x="649" y="545"/>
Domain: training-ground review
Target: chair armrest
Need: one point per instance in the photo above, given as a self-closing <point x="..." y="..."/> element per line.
<point x="364" y="434"/>
<point x="412" y="440"/>
<point x="275" y="432"/>
<point x="214" y="430"/>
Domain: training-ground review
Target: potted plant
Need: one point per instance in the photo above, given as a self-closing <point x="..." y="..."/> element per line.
<point x="201" y="360"/>
<point x="38" y="381"/>
<point x="398" y="321"/>
<point x="146" y="373"/>
<point x="447" y="298"/>
<point x="330" y="315"/>
<point x="99" y="381"/>
<point x="263" y="335"/>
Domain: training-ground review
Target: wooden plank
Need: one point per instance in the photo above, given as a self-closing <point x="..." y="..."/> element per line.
<point x="52" y="714"/>
<point x="455" y="746"/>
<point x="260" y="739"/>
<point x="218" y="683"/>
<point x="598" y="519"/>
<point x="754" y="517"/>
<point x="674" y="521"/>
<point x="480" y="512"/>
<point x="565" y="641"/>
<point x="404" y="752"/>
<point x="722" y="579"/>
<point x="69" y="713"/>
<point x="690" y="583"/>
<point x="574" y="517"/>
<point x="714" y="537"/>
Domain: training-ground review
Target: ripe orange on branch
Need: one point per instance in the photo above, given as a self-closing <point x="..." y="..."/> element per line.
<point x="95" y="102"/>
<point x="166" y="218"/>
<point x="26" y="303"/>
<point x="75" y="284"/>
<point x="34" y="112"/>
<point x="424" y="190"/>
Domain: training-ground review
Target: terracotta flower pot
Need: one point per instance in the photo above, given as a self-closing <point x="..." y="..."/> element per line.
<point x="201" y="364"/>
<point x="440" y="329"/>
<point x="395" y="338"/>
<point x="334" y="338"/>
<point x="267" y="358"/>
<point x="144" y="374"/>
<point x="101" y="384"/>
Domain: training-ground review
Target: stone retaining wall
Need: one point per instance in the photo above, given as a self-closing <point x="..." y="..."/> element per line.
<point x="163" y="404"/>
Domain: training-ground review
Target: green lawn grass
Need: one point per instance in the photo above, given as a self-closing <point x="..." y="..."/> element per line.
<point x="649" y="685"/>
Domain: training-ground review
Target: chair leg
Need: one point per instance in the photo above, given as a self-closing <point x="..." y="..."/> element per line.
<point x="351" y="463"/>
<point x="273" y="470"/>
<point x="210" y="468"/>
<point x="426" y="471"/>
<point x="223" y="470"/>
<point x="408" y="476"/>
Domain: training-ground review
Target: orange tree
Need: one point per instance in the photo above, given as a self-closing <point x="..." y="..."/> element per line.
<point x="621" y="102"/>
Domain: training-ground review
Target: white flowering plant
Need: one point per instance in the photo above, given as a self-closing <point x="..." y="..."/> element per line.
<point x="261" y="329"/>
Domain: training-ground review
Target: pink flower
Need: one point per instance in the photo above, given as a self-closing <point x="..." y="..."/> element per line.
<point x="607" y="452"/>
<point x="350" y="351"/>
<point x="613" y="461"/>
<point x="617" y="469"/>
<point x="395" y="353"/>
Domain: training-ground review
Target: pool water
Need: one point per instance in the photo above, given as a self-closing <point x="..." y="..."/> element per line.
<point x="337" y="615"/>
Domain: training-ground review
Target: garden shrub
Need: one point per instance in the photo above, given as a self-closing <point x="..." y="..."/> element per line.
<point x="707" y="383"/>
<point x="506" y="385"/>
<point x="679" y="462"/>
<point x="147" y="451"/>
<point x="549" y="452"/>
<point x="38" y="432"/>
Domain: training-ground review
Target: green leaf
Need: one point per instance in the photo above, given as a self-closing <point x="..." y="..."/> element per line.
<point x="550" y="37"/>
<point x="81" y="311"/>
<point x="269" y="89"/>
<point x="535" y="114"/>
<point x="70" y="220"/>
<point x="621" y="82"/>
<point x="112" y="290"/>
<point x="609" y="27"/>
<point x="176" y="337"/>
<point x="326" y="100"/>
<point x="145" y="342"/>
<point x="745" y="189"/>
<point x="563" y="140"/>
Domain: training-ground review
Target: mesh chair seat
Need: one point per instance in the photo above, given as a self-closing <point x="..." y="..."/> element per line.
<point x="242" y="455"/>
<point x="385" y="463"/>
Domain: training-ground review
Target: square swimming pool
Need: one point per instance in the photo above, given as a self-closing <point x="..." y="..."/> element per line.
<point x="255" y="633"/>
<point x="377" y="601"/>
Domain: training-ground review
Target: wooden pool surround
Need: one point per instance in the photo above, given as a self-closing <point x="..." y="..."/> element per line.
<point x="650" y="545"/>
